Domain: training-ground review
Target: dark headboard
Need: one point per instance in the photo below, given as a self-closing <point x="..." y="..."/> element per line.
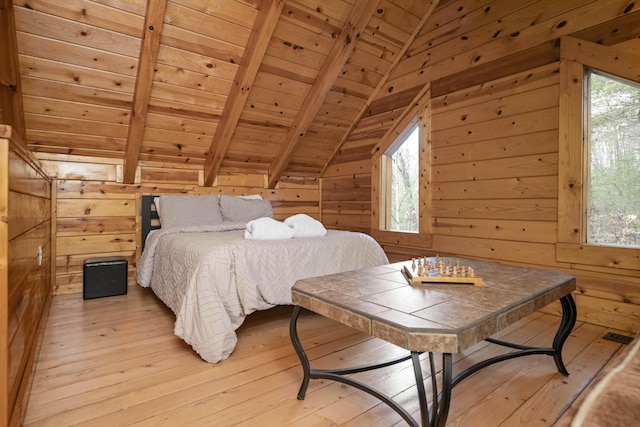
<point x="150" y="218"/>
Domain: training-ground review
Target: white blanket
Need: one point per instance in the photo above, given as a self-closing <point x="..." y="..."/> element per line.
<point x="267" y="229"/>
<point x="212" y="280"/>
<point x="305" y="226"/>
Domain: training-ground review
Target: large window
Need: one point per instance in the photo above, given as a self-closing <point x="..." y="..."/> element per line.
<point x="612" y="193"/>
<point x="403" y="169"/>
<point x="598" y="156"/>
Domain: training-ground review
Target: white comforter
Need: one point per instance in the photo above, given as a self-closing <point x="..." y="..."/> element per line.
<point x="213" y="278"/>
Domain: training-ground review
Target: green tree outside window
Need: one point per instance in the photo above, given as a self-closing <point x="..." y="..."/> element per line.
<point x="613" y="182"/>
<point x="405" y="180"/>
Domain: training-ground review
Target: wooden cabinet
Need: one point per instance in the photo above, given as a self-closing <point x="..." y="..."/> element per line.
<point x="25" y="269"/>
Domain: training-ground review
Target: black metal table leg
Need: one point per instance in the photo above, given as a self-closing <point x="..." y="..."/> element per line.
<point x="422" y="395"/>
<point x="338" y="374"/>
<point x="304" y="360"/>
<point x="569" y="316"/>
<point x="441" y="411"/>
<point x="441" y="400"/>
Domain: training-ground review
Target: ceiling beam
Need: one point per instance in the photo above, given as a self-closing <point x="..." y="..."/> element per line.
<point x="10" y="85"/>
<point x="337" y="57"/>
<point x="383" y="81"/>
<point x="142" y="93"/>
<point x="263" y="28"/>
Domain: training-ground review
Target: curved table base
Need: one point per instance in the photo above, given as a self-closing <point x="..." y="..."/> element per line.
<point x="436" y="416"/>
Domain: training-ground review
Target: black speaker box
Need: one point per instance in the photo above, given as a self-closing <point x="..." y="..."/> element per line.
<point x="104" y="277"/>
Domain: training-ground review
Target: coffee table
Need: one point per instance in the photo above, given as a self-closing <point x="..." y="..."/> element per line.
<point x="433" y="318"/>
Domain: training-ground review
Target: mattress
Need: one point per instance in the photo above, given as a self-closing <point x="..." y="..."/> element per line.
<point x="212" y="277"/>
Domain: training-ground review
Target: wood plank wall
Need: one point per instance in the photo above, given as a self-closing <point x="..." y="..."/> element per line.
<point x="26" y="272"/>
<point x="346" y="202"/>
<point x="495" y="183"/>
<point x="494" y="171"/>
<point x="97" y="215"/>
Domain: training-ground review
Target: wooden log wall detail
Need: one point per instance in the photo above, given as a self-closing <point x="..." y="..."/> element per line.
<point x="494" y="167"/>
<point x="481" y="179"/>
<point x="25" y="269"/>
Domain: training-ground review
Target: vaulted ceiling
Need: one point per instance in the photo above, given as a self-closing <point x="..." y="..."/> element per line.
<point x="257" y="86"/>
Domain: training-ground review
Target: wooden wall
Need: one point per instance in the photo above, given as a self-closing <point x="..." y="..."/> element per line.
<point x="346" y="202"/>
<point x="97" y="215"/>
<point x="25" y="269"/>
<point x="494" y="183"/>
<point x="494" y="169"/>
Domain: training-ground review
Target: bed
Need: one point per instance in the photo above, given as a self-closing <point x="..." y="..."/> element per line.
<point x="204" y="264"/>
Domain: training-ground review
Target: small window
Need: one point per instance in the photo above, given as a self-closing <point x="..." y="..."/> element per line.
<point x="612" y="192"/>
<point x="403" y="179"/>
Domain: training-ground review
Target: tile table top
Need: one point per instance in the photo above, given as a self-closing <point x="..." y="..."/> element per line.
<point x="432" y="317"/>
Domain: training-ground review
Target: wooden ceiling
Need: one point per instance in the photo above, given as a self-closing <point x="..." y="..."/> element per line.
<point x="258" y="86"/>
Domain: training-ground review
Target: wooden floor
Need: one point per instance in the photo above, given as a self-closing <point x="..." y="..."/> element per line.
<point x="115" y="362"/>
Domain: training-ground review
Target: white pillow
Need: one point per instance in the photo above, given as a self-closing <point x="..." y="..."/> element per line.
<point x="238" y="209"/>
<point x="189" y="211"/>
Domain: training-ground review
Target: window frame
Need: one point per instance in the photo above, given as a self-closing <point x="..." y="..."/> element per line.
<point x="387" y="172"/>
<point x="419" y="113"/>
<point x="576" y="57"/>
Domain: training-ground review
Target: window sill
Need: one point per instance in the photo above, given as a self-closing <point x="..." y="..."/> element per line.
<point x="401" y="238"/>
<point x="598" y="255"/>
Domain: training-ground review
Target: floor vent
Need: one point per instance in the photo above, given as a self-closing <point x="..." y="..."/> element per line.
<point x="622" y="339"/>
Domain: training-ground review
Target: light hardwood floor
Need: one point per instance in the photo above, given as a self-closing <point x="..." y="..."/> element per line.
<point x="115" y="362"/>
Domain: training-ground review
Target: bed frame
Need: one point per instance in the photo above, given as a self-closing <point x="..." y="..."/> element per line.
<point x="150" y="218"/>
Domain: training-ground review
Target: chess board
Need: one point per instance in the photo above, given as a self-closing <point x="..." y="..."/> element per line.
<point x="443" y="271"/>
